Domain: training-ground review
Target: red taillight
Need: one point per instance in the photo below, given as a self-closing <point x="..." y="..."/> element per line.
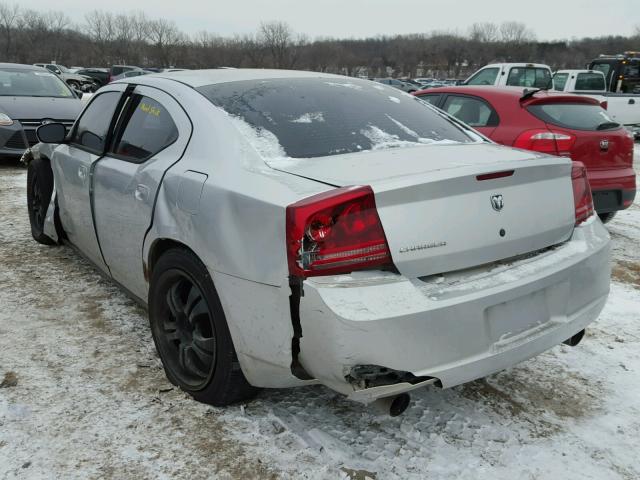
<point x="581" y="192"/>
<point x="335" y="232"/>
<point x="546" y="141"/>
<point x="604" y="104"/>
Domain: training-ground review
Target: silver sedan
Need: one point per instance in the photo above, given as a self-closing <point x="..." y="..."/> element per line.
<point x="286" y="228"/>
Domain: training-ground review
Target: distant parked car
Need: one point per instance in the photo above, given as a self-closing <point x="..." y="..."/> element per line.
<point x="129" y="74"/>
<point x="79" y="82"/>
<point x="117" y="70"/>
<point x="100" y="75"/>
<point x="399" y="84"/>
<point x="557" y="124"/>
<point x="29" y="97"/>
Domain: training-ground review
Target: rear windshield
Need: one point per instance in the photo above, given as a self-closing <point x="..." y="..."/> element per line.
<point x="590" y="81"/>
<point x="314" y="117"/>
<point x="529" y="77"/>
<point x="575" y="116"/>
<point x="559" y="81"/>
<point x="16" y="82"/>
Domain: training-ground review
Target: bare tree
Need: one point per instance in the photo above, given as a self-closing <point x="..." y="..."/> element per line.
<point x="277" y="37"/>
<point x="485" y="32"/>
<point x="165" y="37"/>
<point x="515" y="32"/>
<point x="9" y="15"/>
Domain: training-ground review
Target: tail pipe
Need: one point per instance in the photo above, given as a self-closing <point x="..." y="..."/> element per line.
<point x="392" y="406"/>
<point x="575" y="340"/>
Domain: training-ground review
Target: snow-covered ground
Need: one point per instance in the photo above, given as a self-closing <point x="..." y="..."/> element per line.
<point x="84" y="395"/>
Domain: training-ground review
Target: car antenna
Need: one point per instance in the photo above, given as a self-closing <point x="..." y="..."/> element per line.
<point x="526" y="94"/>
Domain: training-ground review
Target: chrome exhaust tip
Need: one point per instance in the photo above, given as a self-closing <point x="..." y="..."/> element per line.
<point x="392" y="406"/>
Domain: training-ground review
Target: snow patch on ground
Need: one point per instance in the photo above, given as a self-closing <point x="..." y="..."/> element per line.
<point x="92" y="401"/>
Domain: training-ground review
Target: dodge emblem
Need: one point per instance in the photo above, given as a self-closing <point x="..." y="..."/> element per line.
<point x="497" y="202"/>
<point x="604" y="145"/>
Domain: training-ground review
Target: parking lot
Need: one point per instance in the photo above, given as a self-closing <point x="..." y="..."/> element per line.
<point x="84" y="395"/>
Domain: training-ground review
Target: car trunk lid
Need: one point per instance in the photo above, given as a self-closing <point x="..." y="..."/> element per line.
<point x="443" y="208"/>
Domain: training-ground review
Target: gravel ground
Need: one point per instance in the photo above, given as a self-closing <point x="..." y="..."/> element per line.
<point x="83" y="395"/>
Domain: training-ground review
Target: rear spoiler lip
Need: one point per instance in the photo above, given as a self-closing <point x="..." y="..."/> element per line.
<point x="550" y="97"/>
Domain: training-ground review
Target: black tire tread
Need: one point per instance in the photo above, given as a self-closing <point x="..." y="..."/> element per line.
<point x="41" y="168"/>
<point x="228" y="384"/>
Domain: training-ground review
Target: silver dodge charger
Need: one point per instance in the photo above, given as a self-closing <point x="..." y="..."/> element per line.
<point x="287" y="228"/>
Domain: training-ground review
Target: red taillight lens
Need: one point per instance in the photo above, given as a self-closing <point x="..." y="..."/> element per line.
<point x="335" y="232"/>
<point x="604" y="104"/>
<point x="581" y="192"/>
<point x="546" y="141"/>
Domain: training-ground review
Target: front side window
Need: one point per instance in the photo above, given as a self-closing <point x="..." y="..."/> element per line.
<point x="18" y="82"/>
<point x="92" y="128"/>
<point x="559" y="81"/>
<point x="148" y="129"/>
<point x="472" y="111"/>
<point x="590" y="81"/>
<point x="316" y="117"/>
<point x="529" y="77"/>
<point x="484" y="77"/>
<point x="576" y="116"/>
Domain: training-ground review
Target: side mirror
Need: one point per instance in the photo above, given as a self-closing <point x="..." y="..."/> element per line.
<point x="51" y="133"/>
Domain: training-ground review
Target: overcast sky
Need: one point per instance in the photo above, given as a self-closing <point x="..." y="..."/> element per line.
<point x="550" y="19"/>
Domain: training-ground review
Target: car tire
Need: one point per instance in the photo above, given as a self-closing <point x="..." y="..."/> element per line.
<point x="607" y="217"/>
<point x="190" y="331"/>
<point x="39" y="191"/>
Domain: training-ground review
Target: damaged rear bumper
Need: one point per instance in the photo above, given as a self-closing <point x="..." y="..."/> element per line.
<point x="454" y="328"/>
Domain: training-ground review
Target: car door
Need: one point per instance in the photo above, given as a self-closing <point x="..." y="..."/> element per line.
<point x="474" y="111"/>
<point x="151" y="136"/>
<point x="73" y="164"/>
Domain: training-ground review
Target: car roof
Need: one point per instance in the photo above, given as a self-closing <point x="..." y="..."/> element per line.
<point x="200" y="78"/>
<point x="21" y="65"/>
<point x="580" y="70"/>
<point x="505" y="93"/>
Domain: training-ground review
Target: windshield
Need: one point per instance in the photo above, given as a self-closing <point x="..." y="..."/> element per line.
<point x="315" y="117"/>
<point x="16" y="82"/>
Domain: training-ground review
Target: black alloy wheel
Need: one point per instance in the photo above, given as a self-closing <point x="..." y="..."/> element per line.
<point x="190" y="331"/>
<point x="187" y="337"/>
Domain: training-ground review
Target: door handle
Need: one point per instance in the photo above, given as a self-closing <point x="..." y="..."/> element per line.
<point x="142" y="193"/>
<point x="82" y="173"/>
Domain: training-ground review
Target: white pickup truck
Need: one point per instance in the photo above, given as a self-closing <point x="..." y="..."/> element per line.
<point x="624" y="108"/>
<point x="530" y="75"/>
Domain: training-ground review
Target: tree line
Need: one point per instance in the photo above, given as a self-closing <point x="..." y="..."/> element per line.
<point x="105" y="38"/>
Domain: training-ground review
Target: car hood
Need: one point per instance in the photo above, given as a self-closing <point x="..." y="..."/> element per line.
<point x="19" y="108"/>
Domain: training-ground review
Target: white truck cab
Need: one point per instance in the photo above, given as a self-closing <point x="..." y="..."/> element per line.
<point x="624" y="108"/>
<point x="536" y="75"/>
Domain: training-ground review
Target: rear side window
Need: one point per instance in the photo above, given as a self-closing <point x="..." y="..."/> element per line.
<point x="529" y="77"/>
<point x="148" y="129"/>
<point x="92" y="128"/>
<point x="316" y="117"/>
<point x="559" y="81"/>
<point x="590" y="81"/>
<point x="472" y="111"/>
<point x="484" y="77"/>
<point x="575" y="116"/>
<point x="433" y="99"/>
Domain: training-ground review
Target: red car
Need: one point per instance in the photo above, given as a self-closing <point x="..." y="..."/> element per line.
<point x="558" y="124"/>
